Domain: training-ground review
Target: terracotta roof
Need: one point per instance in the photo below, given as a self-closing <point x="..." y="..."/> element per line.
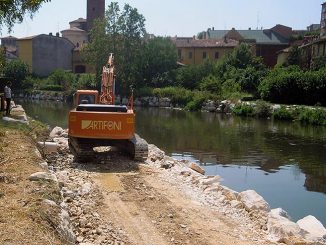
<point x="203" y="43"/>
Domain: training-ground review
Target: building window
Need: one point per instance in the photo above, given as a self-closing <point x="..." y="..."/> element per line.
<point x="204" y="55"/>
<point x="190" y="55"/>
<point x="216" y="55"/>
<point x="80" y="69"/>
<point x="179" y="54"/>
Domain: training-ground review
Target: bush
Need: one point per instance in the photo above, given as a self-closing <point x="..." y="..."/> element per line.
<point x="243" y="110"/>
<point x="179" y="96"/>
<point x="143" y="92"/>
<point x="283" y="114"/>
<point x="314" y="117"/>
<point x="262" y="109"/>
<point x="18" y="71"/>
<point x="294" y="86"/>
<point x="51" y="87"/>
<point x="197" y="102"/>
<point x="211" y="84"/>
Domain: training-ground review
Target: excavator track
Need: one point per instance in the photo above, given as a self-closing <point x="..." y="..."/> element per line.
<point x="82" y="148"/>
<point x="140" y="148"/>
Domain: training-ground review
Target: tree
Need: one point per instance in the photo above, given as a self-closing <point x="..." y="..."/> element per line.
<point x="294" y="57"/>
<point x="13" y="11"/>
<point x="159" y="57"/>
<point x="121" y="33"/>
<point x="17" y="70"/>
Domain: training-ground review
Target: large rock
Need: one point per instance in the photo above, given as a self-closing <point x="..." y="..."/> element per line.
<point x="253" y="201"/>
<point x="313" y="226"/>
<point x="280" y="228"/>
<point x="56" y="132"/>
<point x="196" y="168"/>
<point x="43" y="176"/>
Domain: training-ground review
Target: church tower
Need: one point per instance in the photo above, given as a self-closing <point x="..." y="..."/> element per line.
<point x="95" y="10"/>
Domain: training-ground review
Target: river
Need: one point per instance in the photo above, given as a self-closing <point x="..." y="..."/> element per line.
<point x="285" y="162"/>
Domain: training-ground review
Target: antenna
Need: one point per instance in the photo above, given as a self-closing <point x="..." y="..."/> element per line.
<point x="258" y="20"/>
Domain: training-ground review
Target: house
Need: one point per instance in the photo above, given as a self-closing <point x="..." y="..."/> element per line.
<point x="266" y="42"/>
<point x="10" y="47"/>
<point x="195" y="51"/>
<point x="45" y="53"/>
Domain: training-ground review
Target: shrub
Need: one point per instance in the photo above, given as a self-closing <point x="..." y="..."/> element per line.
<point x="197" y="102"/>
<point x="144" y="91"/>
<point x="294" y="86"/>
<point x="18" y="71"/>
<point x="243" y="110"/>
<point x="283" y="114"/>
<point x="179" y="96"/>
<point x="211" y="84"/>
<point x="51" y="87"/>
<point x="262" y="109"/>
<point x="315" y="117"/>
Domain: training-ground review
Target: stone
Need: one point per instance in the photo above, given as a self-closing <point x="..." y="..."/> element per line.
<point x="210" y="180"/>
<point x="48" y="147"/>
<point x="236" y="204"/>
<point x="44" y="165"/>
<point x="43" y="176"/>
<point x="56" y="132"/>
<point x="85" y="189"/>
<point x="62" y="177"/>
<point x="253" y="201"/>
<point x="49" y="202"/>
<point x="196" y="168"/>
<point x="229" y="193"/>
<point x="313" y="226"/>
<point x="280" y="228"/>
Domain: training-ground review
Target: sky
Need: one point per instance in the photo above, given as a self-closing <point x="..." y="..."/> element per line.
<point x="182" y="17"/>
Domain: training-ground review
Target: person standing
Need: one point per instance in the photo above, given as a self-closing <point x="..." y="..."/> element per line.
<point x="7" y="91"/>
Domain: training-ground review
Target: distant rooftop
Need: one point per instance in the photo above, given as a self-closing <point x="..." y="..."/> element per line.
<point x="203" y="43"/>
<point x="260" y="36"/>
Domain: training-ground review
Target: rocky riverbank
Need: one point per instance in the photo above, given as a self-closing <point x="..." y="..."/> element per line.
<point x="84" y="195"/>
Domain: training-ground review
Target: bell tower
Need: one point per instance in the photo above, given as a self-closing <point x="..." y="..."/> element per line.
<point x="95" y="10"/>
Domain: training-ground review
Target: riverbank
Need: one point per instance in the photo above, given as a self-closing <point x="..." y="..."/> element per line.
<point x="160" y="176"/>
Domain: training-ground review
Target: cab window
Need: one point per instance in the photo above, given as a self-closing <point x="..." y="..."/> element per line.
<point x="86" y="99"/>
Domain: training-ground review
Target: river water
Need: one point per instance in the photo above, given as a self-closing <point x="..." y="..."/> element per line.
<point x="285" y="162"/>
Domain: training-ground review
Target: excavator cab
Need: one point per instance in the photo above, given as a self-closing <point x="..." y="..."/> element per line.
<point x="85" y="97"/>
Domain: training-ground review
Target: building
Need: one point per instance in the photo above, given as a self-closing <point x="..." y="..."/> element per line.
<point x="10" y="46"/>
<point x="45" y="53"/>
<point x="323" y="19"/>
<point x="193" y="51"/>
<point x="95" y="10"/>
<point x="266" y="42"/>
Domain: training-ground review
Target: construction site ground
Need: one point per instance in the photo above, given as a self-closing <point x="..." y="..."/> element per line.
<point x="135" y="203"/>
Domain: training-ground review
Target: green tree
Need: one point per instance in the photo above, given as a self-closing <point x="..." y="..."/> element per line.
<point x="121" y="33"/>
<point x="17" y="70"/>
<point x="158" y="58"/>
<point x="13" y="11"/>
<point x="3" y="61"/>
<point x="294" y="57"/>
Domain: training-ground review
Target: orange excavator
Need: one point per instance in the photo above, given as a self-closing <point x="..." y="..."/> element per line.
<point x="97" y="121"/>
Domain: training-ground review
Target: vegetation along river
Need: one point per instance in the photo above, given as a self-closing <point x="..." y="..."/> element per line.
<point x="285" y="162"/>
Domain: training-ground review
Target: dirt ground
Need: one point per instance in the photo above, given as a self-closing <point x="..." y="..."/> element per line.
<point x="22" y="218"/>
<point x="149" y="210"/>
<point x="134" y="197"/>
